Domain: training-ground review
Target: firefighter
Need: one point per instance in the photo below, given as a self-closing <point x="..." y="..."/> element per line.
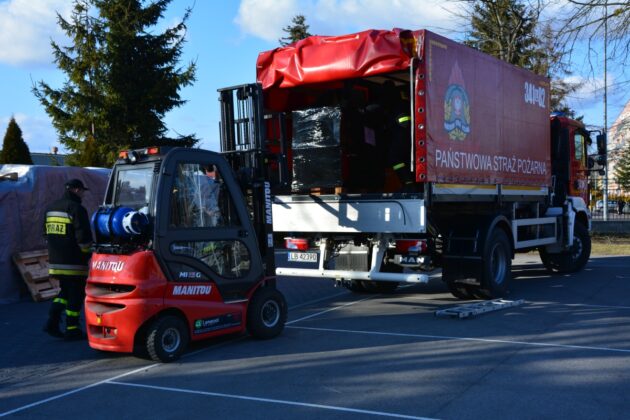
<point x="398" y="129"/>
<point x="67" y="231"/>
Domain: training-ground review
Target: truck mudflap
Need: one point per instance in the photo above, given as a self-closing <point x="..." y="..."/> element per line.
<point x="378" y="251"/>
<point x="344" y="214"/>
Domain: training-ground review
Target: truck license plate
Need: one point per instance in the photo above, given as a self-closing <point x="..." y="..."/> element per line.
<point x="302" y="256"/>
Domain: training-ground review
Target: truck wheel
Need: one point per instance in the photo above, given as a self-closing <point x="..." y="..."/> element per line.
<point x="572" y="260"/>
<point x="167" y="338"/>
<point x="497" y="266"/>
<point x="267" y="313"/>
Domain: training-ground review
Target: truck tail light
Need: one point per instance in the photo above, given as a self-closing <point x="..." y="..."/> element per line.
<point x="299" y="244"/>
<point x="411" y="245"/>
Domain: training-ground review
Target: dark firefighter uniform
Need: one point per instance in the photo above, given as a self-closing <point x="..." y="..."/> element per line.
<point x="67" y="231"/>
<point x="391" y="116"/>
<point x="399" y="151"/>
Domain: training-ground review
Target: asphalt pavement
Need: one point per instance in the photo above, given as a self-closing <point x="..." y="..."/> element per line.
<point x="563" y="354"/>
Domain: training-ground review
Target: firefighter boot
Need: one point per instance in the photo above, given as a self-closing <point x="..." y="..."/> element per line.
<point x="52" y="329"/>
<point x="74" y="335"/>
<point x="54" y="316"/>
<point x="73" y="332"/>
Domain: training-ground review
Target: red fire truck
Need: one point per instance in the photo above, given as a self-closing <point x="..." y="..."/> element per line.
<point x="481" y="172"/>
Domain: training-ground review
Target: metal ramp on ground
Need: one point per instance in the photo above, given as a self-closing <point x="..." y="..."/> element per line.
<point x="476" y="308"/>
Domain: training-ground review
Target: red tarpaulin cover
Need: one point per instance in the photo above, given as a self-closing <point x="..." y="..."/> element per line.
<point x="324" y="58"/>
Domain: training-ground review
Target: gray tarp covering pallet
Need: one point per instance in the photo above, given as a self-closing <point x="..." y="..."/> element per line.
<point x="23" y="199"/>
<point x="472" y="309"/>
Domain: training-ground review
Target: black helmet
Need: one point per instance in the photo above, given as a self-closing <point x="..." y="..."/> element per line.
<point x="75" y="183"/>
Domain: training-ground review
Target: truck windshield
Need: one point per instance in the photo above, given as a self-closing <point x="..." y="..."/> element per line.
<point x="133" y="186"/>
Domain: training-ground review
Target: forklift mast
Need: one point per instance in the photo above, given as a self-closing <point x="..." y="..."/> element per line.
<point x="257" y="167"/>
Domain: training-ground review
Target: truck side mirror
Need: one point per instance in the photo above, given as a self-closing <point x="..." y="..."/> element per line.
<point x="590" y="162"/>
<point x="601" y="144"/>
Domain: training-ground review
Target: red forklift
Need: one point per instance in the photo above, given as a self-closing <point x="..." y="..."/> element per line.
<point x="184" y="250"/>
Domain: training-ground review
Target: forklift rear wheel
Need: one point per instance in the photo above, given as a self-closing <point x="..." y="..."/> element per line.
<point x="267" y="313"/>
<point x="167" y="338"/>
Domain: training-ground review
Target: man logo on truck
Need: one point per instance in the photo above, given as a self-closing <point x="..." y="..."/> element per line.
<point x="456" y="107"/>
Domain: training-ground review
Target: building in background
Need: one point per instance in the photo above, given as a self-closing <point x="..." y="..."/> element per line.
<point x="50" y="159"/>
<point x="618" y="139"/>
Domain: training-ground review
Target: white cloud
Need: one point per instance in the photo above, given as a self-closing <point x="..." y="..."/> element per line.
<point x="266" y="18"/>
<point x="26" y="28"/>
<point x="589" y="88"/>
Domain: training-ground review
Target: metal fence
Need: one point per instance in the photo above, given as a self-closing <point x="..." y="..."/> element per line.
<point x="618" y="206"/>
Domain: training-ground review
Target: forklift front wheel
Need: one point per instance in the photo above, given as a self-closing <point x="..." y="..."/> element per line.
<point x="167" y="338"/>
<point x="267" y="313"/>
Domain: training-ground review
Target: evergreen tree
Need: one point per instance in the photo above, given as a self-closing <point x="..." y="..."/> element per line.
<point x="622" y="169"/>
<point x="510" y="30"/>
<point x="122" y="78"/>
<point x="295" y="32"/>
<point x="14" y="149"/>
<point x="504" y="29"/>
<point x="548" y="60"/>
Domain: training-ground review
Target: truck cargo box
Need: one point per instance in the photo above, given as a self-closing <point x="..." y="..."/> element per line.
<point x="486" y="121"/>
<point x="476" y="119"/>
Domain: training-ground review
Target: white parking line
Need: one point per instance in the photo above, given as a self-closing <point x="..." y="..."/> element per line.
<point x="589" y="306"/>
<point x="270" y="400"/>
<point x="446" y="337"/>
<point x="329" y="310"/>
<point x="74" y="391"/>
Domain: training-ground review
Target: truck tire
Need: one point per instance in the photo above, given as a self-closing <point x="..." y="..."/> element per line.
<point x="167" y="337"/>
<point x="266" y="313"/>
<point x="572" y="260"/>
<point x="497" y="266"/>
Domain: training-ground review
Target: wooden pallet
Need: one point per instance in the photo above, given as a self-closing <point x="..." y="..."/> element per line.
<point x="33" y="267"/>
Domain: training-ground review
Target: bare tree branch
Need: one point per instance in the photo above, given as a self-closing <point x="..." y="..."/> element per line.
<point x="591" y="19"/>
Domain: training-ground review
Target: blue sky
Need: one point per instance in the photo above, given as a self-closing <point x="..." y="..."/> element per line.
<point x="224" y="38"/>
